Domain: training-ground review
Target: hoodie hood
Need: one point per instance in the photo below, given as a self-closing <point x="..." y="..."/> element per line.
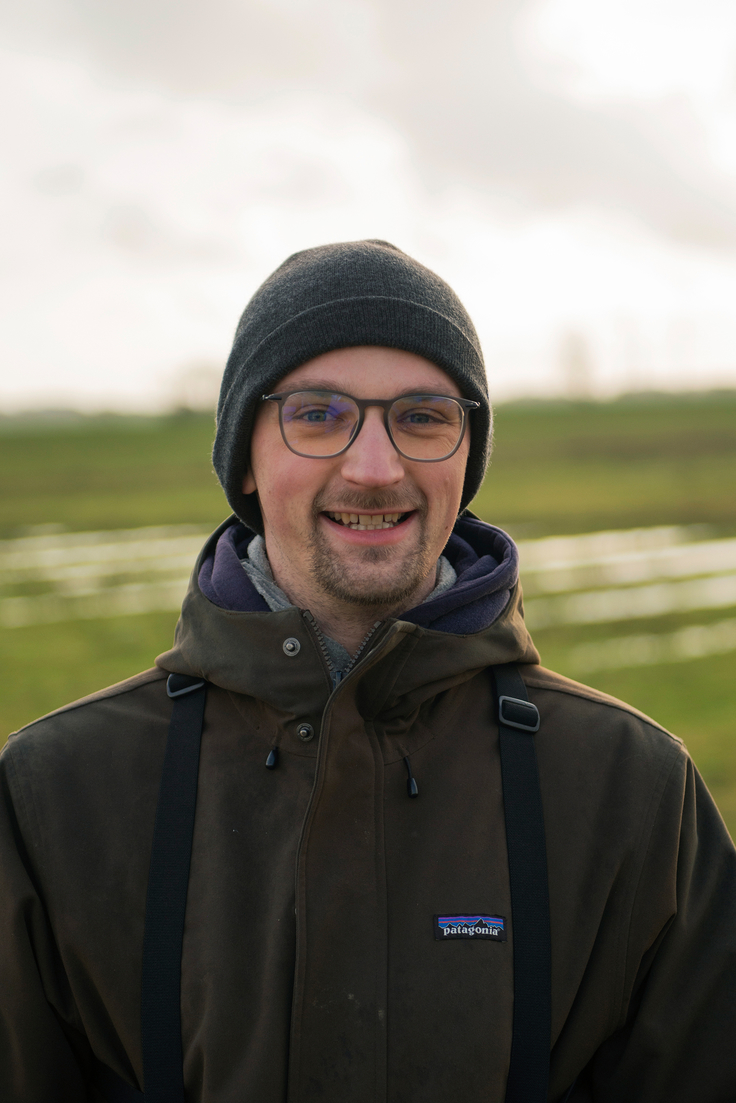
<point x="227" y="634"/>
<point x="485" y="560"/>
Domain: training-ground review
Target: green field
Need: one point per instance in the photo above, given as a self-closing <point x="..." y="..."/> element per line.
<point x="558" y="468"/>
<point x="579" y="467"/>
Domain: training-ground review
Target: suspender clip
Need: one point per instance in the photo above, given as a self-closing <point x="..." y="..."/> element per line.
<point x="179" y="684"/>
<point x="518" y="714"/>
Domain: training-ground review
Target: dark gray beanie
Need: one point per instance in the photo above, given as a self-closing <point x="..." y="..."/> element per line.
<point x="338" y="296"/>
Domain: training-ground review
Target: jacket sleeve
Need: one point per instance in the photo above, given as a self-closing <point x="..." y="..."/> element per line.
<point x="678" y="1039"/>
<point x="43" y="1050"/>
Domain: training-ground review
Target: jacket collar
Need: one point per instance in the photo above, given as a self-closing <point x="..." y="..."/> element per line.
<point x="241" y="649"/>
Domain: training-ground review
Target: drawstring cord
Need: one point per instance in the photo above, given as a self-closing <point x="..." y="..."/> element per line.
<point x="411" y="785"/>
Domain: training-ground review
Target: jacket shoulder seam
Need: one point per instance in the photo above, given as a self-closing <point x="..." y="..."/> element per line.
<point x="597" y="697"/>
<point x="129" y="685"/>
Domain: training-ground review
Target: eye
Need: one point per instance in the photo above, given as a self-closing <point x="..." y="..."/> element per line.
<point x="311" y="413"/>
<point x="329" y="414"/>
<point x="420" y="417"/>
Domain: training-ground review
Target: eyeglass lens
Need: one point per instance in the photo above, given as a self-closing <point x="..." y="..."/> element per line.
<point x="322" y="424"/>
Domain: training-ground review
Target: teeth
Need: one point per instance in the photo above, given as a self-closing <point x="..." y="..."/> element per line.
<point x="365" y="522"/>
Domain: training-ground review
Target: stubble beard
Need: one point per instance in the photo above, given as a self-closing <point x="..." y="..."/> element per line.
<point x="350" y="581"/>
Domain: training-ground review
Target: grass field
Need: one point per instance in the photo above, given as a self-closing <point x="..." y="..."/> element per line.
<point x="558" y="468"/>
<point x="579" y="467"/>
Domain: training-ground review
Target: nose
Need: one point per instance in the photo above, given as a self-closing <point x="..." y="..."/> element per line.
<point x="372" y="460"/>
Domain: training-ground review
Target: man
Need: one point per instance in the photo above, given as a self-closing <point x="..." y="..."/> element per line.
<point x="342" y="941"/>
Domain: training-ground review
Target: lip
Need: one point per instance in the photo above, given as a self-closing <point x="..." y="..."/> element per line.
<point x="378" y="536"/>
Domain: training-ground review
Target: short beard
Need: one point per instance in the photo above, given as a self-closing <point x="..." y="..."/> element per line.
<point x="344" y="585"/>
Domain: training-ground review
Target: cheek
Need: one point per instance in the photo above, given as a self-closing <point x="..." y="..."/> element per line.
<point x="287" y="486"/>
<point x="447" y="486"/>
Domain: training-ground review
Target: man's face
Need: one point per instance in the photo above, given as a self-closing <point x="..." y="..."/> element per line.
<point x="314" y="555"/>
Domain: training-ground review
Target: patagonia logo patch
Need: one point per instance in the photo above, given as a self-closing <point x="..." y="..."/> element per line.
<point x="470" y="926"/>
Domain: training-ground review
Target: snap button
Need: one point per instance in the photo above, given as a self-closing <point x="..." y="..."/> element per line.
<point x="305" y="732"/>
<point x="291" y="647"/>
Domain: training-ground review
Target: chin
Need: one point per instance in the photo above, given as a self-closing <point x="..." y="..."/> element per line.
<point x="367" y="588"/>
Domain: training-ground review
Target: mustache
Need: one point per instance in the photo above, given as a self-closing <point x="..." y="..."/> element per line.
<point x="385" y="501"/>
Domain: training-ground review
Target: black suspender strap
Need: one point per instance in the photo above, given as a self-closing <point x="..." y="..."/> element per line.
<point x="168" y="880"/>
<point x="166" y="902"/>
<point x="518" y="719"/>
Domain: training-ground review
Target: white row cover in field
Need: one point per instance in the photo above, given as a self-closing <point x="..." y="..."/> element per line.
<point x="617" y="576"/>
<point x="95" y="574"/>
<point x="601" y="577"/>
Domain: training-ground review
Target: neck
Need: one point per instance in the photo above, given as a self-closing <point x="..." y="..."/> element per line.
<point x="347" y="622"/>
<point x="350" y="626"/>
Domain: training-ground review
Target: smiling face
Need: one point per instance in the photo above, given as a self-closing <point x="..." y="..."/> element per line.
<point x="405" y="510"/>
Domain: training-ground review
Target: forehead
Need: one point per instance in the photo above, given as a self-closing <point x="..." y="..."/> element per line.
<point x="371" y="371"/>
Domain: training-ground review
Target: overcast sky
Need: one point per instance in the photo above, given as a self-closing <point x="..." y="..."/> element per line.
<point x="569" y="167"/>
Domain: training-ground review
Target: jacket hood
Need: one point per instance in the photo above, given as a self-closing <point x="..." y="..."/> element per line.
<point x="227" y="634"/>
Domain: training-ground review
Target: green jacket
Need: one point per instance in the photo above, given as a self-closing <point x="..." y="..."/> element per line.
<point x="310" y="969"/>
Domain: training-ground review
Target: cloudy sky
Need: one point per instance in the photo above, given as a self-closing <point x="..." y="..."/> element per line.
<point x="569" y="167"/>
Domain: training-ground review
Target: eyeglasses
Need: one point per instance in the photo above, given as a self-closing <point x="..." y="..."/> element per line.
<point x="322" y="424"/>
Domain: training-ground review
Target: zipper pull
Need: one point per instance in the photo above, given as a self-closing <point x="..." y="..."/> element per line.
<point x="411" y="785"/>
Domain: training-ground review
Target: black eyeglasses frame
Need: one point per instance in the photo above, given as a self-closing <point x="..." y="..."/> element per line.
<point x="466" y="405"/>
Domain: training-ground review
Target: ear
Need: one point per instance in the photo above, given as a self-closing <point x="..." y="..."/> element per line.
<point x="249" y="482"/>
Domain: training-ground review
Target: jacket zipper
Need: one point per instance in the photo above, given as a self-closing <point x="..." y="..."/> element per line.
<point x="337" y="678"/>
<point x="366" y="640"/>
<point x="337" y="675"/>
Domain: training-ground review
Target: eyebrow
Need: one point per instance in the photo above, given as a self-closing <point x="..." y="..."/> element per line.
<point x="326" y="385"/>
